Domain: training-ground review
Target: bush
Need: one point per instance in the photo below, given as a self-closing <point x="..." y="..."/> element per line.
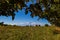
<point x="46" y="25"/>
<point x="1" y="23"/>
<point x="38" y="25"/>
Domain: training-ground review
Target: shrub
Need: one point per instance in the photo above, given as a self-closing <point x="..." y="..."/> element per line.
<point x="46" y="25"/>
<point x="1" y="23"/>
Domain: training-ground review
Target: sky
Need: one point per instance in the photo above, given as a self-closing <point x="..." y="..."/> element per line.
<point x="22" y="19"/>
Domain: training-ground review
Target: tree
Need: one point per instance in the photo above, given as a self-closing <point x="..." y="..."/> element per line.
<point x="46" y="25"/>
<point x="48" y="9"/>
<point x="1" y="23"/>
<point x="7" y="7"/>
<point x="37" y="25"/>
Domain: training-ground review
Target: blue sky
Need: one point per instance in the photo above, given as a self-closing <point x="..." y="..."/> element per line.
<point x="22" y="19"/>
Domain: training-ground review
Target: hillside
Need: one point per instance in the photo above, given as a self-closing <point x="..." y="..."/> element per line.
<point x="28" y="33"/>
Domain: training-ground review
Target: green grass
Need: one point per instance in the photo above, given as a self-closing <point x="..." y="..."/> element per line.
<point x="28" y="33"/>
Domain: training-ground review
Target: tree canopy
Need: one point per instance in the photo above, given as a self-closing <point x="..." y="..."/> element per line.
<point x="48" y="9"/>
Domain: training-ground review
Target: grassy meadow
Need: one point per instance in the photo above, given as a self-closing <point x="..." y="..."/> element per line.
<point x="28" y="33"/>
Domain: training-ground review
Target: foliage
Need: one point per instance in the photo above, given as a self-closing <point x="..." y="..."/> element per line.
<point x="48" y="9"/>
<point x="46" y="25"/>
<point x="1" y="23"/>
<point x="51" y="10"/>
<point x="38" y="25"/>
<point x="7" y="7"/>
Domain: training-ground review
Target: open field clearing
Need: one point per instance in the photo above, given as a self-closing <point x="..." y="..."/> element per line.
<point x="28" y="33"/>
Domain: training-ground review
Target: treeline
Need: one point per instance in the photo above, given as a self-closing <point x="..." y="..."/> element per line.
<point x="46" y="25"/>
<point x="2" y="24"/>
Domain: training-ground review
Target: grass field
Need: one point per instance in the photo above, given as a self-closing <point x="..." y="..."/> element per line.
<point x="28" y="33"/>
